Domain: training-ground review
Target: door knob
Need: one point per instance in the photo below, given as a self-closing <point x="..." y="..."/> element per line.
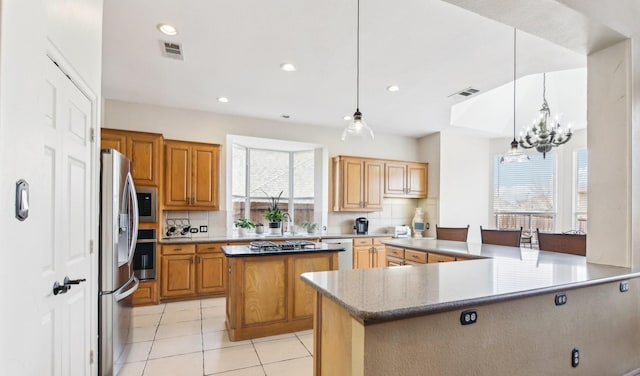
<point x="68" y="282"/>
<point x="60" y="289"/>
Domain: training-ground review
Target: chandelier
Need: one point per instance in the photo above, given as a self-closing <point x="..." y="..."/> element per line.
<point x="545" y="134"/>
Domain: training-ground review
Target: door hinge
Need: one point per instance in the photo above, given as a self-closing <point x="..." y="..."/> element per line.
<point x="90" y="246"/>
<point x="91" y="357"/>
<point x="92" y="134"/>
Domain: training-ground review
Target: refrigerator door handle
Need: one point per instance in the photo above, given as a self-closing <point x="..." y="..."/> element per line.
<point x="136" y="216"/>
<point x="120" y="294"/>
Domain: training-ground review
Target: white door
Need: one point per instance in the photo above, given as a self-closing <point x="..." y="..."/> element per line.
<point x="66" y="227"/>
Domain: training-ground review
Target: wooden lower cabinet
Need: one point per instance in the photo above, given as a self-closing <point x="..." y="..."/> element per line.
<point x="146" y="294"/>
<point x="369" y="253"/>
<point x="178" y="277"/>
<point x="265" y="295"/>
<point x="193" y="270"/>
<point x="399" y="256"/>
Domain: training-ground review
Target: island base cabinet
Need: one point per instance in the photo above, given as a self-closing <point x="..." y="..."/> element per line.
<point x="525" y="336"/>
<point x="265" y="295"/>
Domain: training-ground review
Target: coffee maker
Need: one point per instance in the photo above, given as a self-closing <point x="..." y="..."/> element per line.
<point x="361" y="226"/>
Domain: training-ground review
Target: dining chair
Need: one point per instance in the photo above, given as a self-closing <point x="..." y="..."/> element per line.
<point x="452" y="233"/>
<point x="575" y="244"/>
<point x="501" y="237"/>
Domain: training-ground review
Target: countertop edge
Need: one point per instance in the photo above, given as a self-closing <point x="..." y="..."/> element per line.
<point x="222" y="238"/>
<point x="368" y="317"/>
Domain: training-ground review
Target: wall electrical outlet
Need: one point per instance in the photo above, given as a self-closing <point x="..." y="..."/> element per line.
<point x="561" y="299"/>
<point x="468" y="317"/>
<point x="204" y="228"/>
<point x="575" y="357"/>
<point x="624" y="286"/>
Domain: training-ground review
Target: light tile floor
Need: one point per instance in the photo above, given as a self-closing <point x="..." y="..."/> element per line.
<point x="189" y="338"/>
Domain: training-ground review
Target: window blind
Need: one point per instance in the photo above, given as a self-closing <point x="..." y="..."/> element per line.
<point x="525" y="187"/>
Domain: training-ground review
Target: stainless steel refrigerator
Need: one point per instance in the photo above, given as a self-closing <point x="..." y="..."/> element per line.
<point x="118" y="235"/>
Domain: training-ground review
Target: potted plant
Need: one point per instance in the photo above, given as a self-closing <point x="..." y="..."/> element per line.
<point x="309" y="226"/>
<point x="243" y="224"/>
<point x="274" y="215"/>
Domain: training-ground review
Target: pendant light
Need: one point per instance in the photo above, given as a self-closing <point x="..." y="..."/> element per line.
<point x="357" y="127"/>
<point x="514" y="155"/>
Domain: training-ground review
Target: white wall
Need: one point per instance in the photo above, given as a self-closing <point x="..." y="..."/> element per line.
<point x="609" y="114"/>
<point x="464" y="182"/>
<point x="429" y="152"/>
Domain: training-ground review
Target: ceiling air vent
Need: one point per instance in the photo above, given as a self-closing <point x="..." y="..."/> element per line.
<point x="172" y="50"/>
<point x="465" y="93"/>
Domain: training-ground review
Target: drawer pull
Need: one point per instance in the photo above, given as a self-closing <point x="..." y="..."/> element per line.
<point x="414" y="256"/>
<point x="177" y="249"/>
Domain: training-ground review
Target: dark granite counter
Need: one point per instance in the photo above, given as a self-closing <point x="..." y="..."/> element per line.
<point x="499" y="273"/>
<point x="245" y="251"/>
<point x="255" y="237"/>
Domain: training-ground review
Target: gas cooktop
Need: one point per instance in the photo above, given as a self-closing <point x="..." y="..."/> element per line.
<point x="287" y="245"/>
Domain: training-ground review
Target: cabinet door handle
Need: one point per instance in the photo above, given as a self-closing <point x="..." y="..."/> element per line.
<point x="198" y="259"/>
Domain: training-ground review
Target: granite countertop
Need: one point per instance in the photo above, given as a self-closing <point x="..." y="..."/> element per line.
<point x="254" y="237"/>
<point x="499" y="273"/>
<point x="245" y="251"/>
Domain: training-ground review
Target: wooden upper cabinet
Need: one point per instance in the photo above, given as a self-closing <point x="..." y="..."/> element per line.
<point x="405" y="179"/>
<point x="358" y="184"/>
<point x="143" y="149"/>
<point x="191" y="175"/>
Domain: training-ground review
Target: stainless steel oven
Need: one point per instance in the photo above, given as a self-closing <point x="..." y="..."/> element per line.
<point x="147" y="203"/>
<point x="144" y="258"/>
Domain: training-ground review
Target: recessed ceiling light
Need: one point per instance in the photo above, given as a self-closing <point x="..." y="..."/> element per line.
<point x="393" y="88"/>
<point x="288" y="67"/>
<point x="167" y="29"/>
<point x="348" y="117"/>
<point x="285" y="116"/>
<point x="223" y="99"/>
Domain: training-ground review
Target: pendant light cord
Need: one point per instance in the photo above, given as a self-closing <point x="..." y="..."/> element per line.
<point x="514" y="83"/>
<point x="358" y="59"/>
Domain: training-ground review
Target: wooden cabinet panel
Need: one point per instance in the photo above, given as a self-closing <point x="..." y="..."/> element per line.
<point x="395" y="178"/>
<point x="211" y="273"/>
<point x="191" y="175"/>
<point x="147" y="293"/>
<point x="373" y="185"/>
<point x="394" y="261"/>
<point x="362" y="257"/>
<point x="395" y="252"/>
<point x="177" y="276"/>
<point x="265" y="295"/>
<point x="143" y="149"/>
<point x="415" y="256"/>
<point x="435" y="257"/>
<point x="303" y="294"/>
<point x="405" y="179"/>
<point x="378" y="257"/>
<point x="113" y="140"/>
<point x="417" y="180"/>
<point x="178" y="249"/>
<point x="209" y="247"/>
<point x="265" y="290"/>
<point x="352" y="184"/>
<point x="358" y="184"/>
<point x="205" y="176"/>
<point x="176" y="176"/>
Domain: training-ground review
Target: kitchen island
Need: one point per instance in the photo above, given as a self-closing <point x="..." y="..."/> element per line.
<point x="509" y="311"/>
<point x="265" y="295"/>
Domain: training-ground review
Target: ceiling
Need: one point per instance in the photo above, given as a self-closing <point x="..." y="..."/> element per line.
<point x="429" y="48"/>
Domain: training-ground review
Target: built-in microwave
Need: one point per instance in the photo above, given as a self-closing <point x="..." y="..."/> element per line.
<point x="147" y="203"/>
